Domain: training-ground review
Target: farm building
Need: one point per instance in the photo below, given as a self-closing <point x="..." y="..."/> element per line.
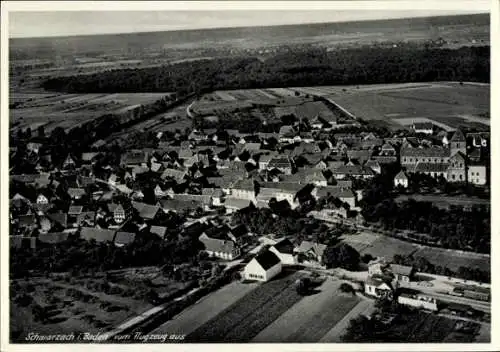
<point x="378" y="287"/>
<point x="263" y="267"/>
<point x="423" y="127"/>
<point x="221" y="248"/>
<point x="312" y="251"/>
<point x="418" y="301"/>
<point x="402" y="272"/>
<point x="284" y="250"/>
<point x="401" y="180"/>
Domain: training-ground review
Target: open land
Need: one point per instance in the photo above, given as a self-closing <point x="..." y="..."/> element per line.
<point x="444" y="201"/>
<point x="448" y="104"/>
<point x="383" y="246"/>
<point x="85" y="304"/>
<point x="70" y="110"/>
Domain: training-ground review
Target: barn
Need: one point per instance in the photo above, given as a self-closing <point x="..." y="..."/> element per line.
<point x="263" y="267"/>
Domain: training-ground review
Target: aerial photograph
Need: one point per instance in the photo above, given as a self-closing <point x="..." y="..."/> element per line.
<point x="262" y="176"/>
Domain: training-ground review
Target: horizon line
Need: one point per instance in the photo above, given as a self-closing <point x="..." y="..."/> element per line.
<point x="480" y="12"/>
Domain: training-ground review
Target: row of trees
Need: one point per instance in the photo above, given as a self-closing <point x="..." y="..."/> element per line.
<point x="366" y="65"/>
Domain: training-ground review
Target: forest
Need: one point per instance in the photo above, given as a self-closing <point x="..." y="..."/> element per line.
<point x="312" y="67"/>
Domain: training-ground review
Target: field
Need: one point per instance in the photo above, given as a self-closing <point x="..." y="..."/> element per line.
<point x="384" y="246"/>
<point x="443" y="201"/>
<point x="313" y="317"/>
<point x="269" y="312"/>
<point x="449" y="104"/>
<point x="89" y="304"/>
<point x="205" y="309"/>
<point x="69" y="110"/>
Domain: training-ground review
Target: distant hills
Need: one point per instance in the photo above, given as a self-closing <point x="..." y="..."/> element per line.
<point x="251" y="37"/>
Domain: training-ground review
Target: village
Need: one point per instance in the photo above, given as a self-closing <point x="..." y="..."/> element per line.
<point x="197" y="189"/>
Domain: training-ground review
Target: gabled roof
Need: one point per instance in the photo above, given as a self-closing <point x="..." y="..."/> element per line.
<point x="76" y="192"/>
<point x="236" y="203"/>
<point x="284" y="246"/>
<point x="431" y="167"/>
<point x="353" y="170"/>
<point x="401" y="176"/>
<point x="146" y="211"/>
<point x="335" y="191"/>
<point x="244" y="184"/>
<point x="280" y="162"/>
<point x="75" y="210"/>
<point x="267" y="260"/>
<point x="177" y="175"/>
<point x="100" y="235"/>
<point x="60" y="218"/>
<point x="458" y="136"/>
<point x="212" y="192"/>
<point x="423" y="126"/>
<point x="217" y="245"/>
<point x="307" y="246"/>
<point x="124" y="238"/>
<point x="52" y="238"/>
<point x="401" y="269"/>
<point x="134" y="157"/>
<point x="425" y="152"/>
<point x="158" y="230"/>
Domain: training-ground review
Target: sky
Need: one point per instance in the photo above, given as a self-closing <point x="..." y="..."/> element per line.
<point x="66" y="23"/>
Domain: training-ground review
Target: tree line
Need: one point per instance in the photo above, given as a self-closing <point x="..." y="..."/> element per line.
<point x="365" y="65"/>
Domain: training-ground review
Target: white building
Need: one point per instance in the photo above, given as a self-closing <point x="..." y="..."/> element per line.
<point x="263" y="267"/>
<point x="401" y="180"/>
<point x="418" y="301"/>
<point x="476" y="174"/>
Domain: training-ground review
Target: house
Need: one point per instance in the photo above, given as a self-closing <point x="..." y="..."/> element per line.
<point x="312" y="251"/>
<point x="280" y="191"/>
<point x="409" y="157"/>
<point x="22" y="242"/>
<point x="120" y="212"/>
<point x="53" y="237"/>
<point x="97" y="234"/>
<point x="457" y="171"/>
<point x="89" y="158"/>
<point x="356" y="171"/>
<point x="402" y="272"/>
<point x="135" y="157"/>
<point x="378" y="267"/>
<point x="146" y="211"/>
<point x="42" y="199"/>
<point x="378" y="287"/>
<point x="477" y="174"/>
<point x="216" y="194"/>
<point x="418" y="301"/>
<point x="220" y="248"/>
<point x="160" y="231"/>
<point x="69" y="162"/>
<point x="401" y="179"/>
<point x="234" y="204"/>
<point x="361" y="155"/>
<point x="76" y="193"/>
<point x="345" y="194"/>
<point x="431" y="169"/>
<point x="33" y="147"/>
<point x="243" y="189"/>
<point x="177" y="175"/>
<point x="123" y="238"/>
<point x="374" y="165"/>
<point x="284" y="250"/>
<point x="387" y="150"/>
<point x="263" y="267"/>
<point x="287" y="134"/>
<point x="265" y="159"/>
<point x="282" y="163"/>
<point x="423" y="127"/>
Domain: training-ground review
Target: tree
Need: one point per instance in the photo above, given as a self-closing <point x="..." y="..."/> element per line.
<point x="346" y="288"/>
<point x="343" y="256"/>
<point x="303" y="285"/>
